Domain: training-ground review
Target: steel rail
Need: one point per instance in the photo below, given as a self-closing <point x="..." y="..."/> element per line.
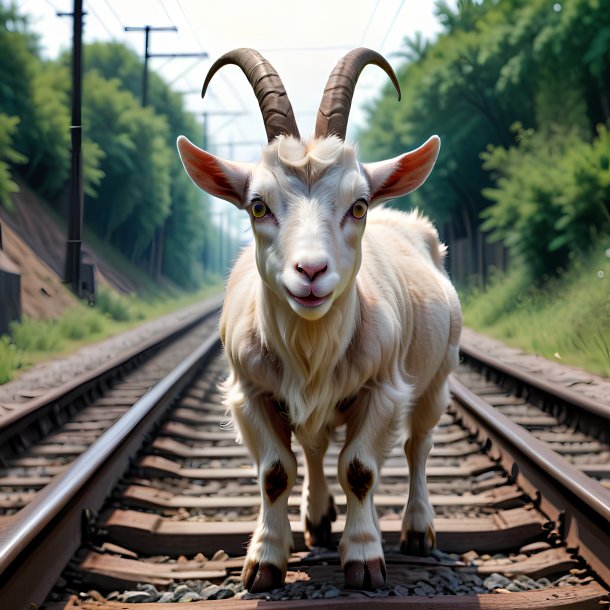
<point x="22" y="419"/>
<point x="38" y="541"/>
<point x="544" y="388"/>
<point x="579" y="504"/>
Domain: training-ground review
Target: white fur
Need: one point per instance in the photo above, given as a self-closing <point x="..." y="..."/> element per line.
<point x="386" y="337"/>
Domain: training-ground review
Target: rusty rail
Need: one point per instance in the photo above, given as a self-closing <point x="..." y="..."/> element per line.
<point x="25" y="418"/>
<point x="578" y="503"/>
<point x="38" y="542"/>
<point x="545" y="390"/>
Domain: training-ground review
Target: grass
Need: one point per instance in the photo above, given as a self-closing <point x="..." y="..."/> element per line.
<point x="567" y="320"/>
<point x="33" y="341"/>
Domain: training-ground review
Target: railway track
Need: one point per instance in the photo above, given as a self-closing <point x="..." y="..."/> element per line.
<point x="159" y="507"/>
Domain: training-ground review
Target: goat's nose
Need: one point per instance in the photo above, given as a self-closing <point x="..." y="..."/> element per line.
<point x="311" y="270"/>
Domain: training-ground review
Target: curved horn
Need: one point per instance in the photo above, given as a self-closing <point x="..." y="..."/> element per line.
<point x="268" y="88"/>
<point x="337" y="98"/>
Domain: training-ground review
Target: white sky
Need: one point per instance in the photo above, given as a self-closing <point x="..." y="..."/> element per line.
<point x="303" y="40"/>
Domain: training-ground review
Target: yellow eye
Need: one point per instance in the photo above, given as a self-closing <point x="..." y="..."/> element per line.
<point x="258" y="209"/>
<point x="359" y="209"/>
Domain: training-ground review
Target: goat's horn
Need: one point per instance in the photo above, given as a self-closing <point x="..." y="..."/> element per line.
<point x="268" y="88"/>
<point x="337" y="98"/>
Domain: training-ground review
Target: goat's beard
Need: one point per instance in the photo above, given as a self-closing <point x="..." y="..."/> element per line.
<point x="312" y="343"/>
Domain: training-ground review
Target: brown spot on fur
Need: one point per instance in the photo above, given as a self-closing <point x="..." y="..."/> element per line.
<point x="359" y="478"/>
<point x="276" y="481"/>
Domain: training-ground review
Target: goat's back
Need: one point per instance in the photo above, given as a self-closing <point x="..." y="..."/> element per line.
<point x="402" y="265"/>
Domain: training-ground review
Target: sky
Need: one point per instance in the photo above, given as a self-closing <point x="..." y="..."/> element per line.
<point x="302" y="40"/>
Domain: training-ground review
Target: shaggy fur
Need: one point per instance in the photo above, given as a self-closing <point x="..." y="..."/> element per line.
<point x="375" y="355"/>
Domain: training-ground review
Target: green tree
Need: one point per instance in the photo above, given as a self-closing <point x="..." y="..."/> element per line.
<point x="538" y="65"/>
<point x="184" y="230"/>
<point x="134" y="196"/>
<point x="8" y="156"/>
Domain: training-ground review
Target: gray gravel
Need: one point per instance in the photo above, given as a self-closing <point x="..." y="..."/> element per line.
<point x="418" y="580"/>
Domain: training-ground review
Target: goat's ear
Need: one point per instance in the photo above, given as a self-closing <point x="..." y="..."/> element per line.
<point x="403" y="174"/>
<point x="225" y="179"/>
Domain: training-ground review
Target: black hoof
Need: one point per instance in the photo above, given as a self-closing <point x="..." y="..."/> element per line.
<point x="320" y="535"/>
<point x="418" y="543"/>
<point x="369" y="576"/>
<point x="258" y="578"/>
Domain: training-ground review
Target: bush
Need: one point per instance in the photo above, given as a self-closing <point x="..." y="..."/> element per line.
<point x="567" y="318"/>
<point x="8" y="156"/>
<point x="80" y="323"/>
<point x="10" y="359"/>
<point x="551" y="197"/>
<point x="36" y="335"/>
<point x="116" y="307"/>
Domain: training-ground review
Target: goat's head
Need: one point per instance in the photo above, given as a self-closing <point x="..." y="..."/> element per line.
<point x="307" y="201"/>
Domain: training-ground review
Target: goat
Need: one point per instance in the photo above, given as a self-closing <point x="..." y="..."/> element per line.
<point x="325" y="323"/>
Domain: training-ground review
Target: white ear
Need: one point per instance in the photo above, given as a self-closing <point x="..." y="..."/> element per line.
<point x="225" y="179"/>
<point x="403" y="174"/>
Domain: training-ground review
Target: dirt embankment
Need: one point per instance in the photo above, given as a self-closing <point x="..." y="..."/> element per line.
<point x="42" y="293"/>
<point x="34" y="245"/>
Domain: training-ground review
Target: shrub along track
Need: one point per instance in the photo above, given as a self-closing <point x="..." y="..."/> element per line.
<point x="172" y="523"/>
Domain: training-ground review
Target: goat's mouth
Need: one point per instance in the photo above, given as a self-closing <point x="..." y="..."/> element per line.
<point x="311" y="300"/>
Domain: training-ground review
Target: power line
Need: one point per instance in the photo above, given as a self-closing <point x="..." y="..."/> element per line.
<point x="392" y="22"/>
<point x="368" y="25"/>
<point x="167" y="13"/>
<point x="55" y="9"/>
<point x="112" y="36"/>
<point x="188" y="23"/>
<point x="183" y="73"/>
<point x="114" y="13"/>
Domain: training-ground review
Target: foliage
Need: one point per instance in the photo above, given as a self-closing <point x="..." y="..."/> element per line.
<point x="8" y="155"/>
<point x="117" y="307"/>
<point x="134" y="196"/>
<point x="135" y="187"/>
<point x="79" y="323"/>
<point x="185" y="224"/>
<point x="36" y="335"/>
<point x="31" y="341"/>
<point x="542" y="66"/>
<point x="568" y="320"/>
<point x="10" y="359"/>
<point x="550" y="198"/>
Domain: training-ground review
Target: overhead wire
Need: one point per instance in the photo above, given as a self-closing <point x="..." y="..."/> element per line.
<point x="102" y="22"/>
<point x="188" y="23"/>
<point x="368" y="25"/>
<point x="392" y="23"/>
<point x="167" y="13"/>
<point x="114" y="14"/>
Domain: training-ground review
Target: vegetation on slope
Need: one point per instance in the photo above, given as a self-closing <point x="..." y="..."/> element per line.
<point x="32" y="341"/>
<point x="135" y="187"/>
<point x="519" y="91"/>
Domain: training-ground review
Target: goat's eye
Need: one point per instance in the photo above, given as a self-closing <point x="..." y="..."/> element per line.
<point x="258" y="209"/>
<point x="359" y="209"/>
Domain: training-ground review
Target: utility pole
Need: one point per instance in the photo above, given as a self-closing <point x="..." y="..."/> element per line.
<point x="75" y="217"/>
<point x="156" y="255"/>
<point x="147" y="29"/>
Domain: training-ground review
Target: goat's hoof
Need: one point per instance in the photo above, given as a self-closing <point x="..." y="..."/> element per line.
<point x="369" y="575"/>
<point x="418" y="543"/>
<point x="259" y="577"/>
<point x="321" y="534"/>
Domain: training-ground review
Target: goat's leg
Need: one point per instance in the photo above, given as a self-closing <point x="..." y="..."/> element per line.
<point x="266" y="432"/>
<point x="417" y="533"/>
<point x="369" y="436"/>
<point x="318" y="509"/>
